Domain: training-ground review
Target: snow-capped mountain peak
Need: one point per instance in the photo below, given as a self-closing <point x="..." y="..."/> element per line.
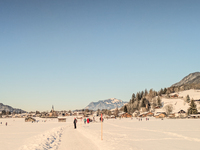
<point x="110" y="103"/>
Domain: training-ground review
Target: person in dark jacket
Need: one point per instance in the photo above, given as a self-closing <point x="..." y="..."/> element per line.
<point x="100" y="119"/>
<point x="75" y="121"/>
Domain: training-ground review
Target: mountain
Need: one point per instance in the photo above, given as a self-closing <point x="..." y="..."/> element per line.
<point x="9" y="108"/>
<point x="191" y="78"/>
<point x="111" y="103"/>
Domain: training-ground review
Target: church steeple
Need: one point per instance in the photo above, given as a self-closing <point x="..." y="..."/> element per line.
<point x="52" y="109"/>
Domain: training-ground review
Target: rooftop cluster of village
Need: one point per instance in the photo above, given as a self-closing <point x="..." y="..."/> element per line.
<point x="182" y="104"/>
<point x="173" y="105"/>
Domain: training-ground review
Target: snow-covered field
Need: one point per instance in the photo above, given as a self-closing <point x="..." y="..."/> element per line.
<point x="22" y="135"/>
<point x="179" y="103"/>
<point x="127" y="134"/>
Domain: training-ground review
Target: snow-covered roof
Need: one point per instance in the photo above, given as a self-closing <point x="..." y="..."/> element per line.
<point x="60" y="117"/>
<point x="192" y="115"/>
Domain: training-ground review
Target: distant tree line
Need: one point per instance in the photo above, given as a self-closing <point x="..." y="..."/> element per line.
<point x="152" y="99"/>
<point x="184" y="87"/>
<point x="144" y="99"/>
<point x="5" y="112"/>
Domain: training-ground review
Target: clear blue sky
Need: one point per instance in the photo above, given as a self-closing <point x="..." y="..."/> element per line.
<point x="70" y="53"/>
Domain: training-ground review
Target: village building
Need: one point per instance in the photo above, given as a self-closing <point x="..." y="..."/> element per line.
<point x="67" y="114"/>
<point x="171" y="115"/>
<point x="194" y="116"/>
<point x="157" y="107"/>
<point x="136" y="113"/>
<point x="143" y="109"/>
<point x="53" y="113"/>
<point x="150" y="114"/>
<point x="6" y="116"/>
<point x="30" y="119"/>
<point x="143" y="114"/>
<point x="174" y="96"/>
<point x="181" y="114"/>
<point x="126" y="115"/>
<point x="146" y="114"/>
<point x="62" y="119"/>
<point x="121" y="113"/>
<point x="160" y="115"/>
<point x="112" y="117"/>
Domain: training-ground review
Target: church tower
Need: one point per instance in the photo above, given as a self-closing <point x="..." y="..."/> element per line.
<point x="52" y="110"/>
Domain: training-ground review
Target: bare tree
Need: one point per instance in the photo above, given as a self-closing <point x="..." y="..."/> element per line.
<point x="109" y="113"/>
<point x="116" y="112"/>
<point x="153" y="104"/>
<point x="168" y="109"/>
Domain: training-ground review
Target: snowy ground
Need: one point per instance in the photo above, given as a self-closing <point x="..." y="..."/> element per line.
<point x="18" y="133"/>
<point x="127" y="134"/>
<point x="179" y="103"/>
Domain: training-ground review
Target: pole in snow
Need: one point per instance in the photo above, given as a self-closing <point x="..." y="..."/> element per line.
<point x="101" y="127"/>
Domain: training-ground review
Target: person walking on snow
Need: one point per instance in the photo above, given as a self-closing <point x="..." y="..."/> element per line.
<point x="75" y="121"/>
<point x="85" y="120"/>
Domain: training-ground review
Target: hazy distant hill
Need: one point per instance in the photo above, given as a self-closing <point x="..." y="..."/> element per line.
<point x="111" y="103"/>
<point x="193" y="78"/>
<point x="9" y="108"/>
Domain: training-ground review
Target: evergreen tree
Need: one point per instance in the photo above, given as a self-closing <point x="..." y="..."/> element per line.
<point x="138" y="96"/>
<point x="164" y="91"/>
<point x="98" y="112"/>
<point x="145" y="92"/>
<point x="193" y="108"/>
<point x="3" y="112"/>
<point x="151" y="94"/>
<point x="137" y="104"/>
<point x="142" y="94"/>
<point x="130" y="101"/>
<point x="133" y="98"/>
<point x="187" y="98"/>
<point x="132" y="108"/>
<point x="173" y="89"/>
<point x="161" y="92"/>
<point x="142" y="103"/>
<point x="159" y="101"/>
<point x="37" y="112"/>
<point x="125" y="109"/>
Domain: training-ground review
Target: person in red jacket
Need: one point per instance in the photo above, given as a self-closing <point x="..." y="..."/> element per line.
<point x="88" y="120"/>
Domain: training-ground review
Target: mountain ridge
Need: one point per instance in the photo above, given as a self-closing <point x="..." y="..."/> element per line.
<point x="110" y="103"/>
<point x="189" y="79"/>
<point x="10" y="109"/>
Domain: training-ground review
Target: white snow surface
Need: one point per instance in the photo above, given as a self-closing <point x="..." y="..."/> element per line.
<point x="179" y="103"/>
<point x="194" y="94"/>
<point x="114" y="100"/>
<point x="21" y="135"/>
<point x="126" y="133"/>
